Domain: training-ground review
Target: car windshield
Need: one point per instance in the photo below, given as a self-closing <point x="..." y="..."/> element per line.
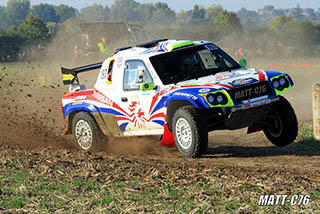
<point x="192" y="63"/>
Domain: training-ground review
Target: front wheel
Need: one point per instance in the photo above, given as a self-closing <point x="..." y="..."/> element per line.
<point x="189" y="132"/>
<point x="283" y="125"/>
<point x="87" y="133"/>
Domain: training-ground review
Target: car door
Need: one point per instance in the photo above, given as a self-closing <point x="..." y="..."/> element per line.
<point x="136" y="103"/>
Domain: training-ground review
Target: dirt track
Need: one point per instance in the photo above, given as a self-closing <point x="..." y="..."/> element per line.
<point x="30" y="118"/>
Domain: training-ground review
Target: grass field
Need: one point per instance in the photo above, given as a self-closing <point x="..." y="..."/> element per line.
<point x="66" y="182"/>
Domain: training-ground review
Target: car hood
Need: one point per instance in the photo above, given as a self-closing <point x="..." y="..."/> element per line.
<point x="232" y="78"/>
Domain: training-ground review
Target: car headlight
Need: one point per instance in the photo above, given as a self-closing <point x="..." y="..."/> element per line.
<point x="276" y="84"/>
<point x="284" y="82"/>
<point x="217" y="99"/>
<point x="211" y="99"/>
<point x="220" y="99"/>
<point x="280" y="83"/>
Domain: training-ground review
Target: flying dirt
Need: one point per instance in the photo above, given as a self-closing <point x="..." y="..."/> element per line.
<point x="31" y="115"/>
<point x="31" y="118"/>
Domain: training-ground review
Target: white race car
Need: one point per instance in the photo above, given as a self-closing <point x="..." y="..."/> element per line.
<point x="181" y="90"/>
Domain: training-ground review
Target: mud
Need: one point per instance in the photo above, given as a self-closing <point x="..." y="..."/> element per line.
<point x="31" y="117"/>
<point x="31" y="114"/>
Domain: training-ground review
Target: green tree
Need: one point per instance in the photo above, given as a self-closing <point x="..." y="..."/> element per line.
<point x="3" y="18"/>
<point x="94" y="13"/>
<point x="33" y="30"/>
<point x="198" y="15"/>
<point x="162" y="14"/>
<point x="212" y="12"/>
<point x="31" y="33"/>
<point x="9" y="48"/>
<point x="53" y="28"/>
<point x="145" y="12"/>
<point x="298" y="35"/>
<point x="65" y="12"/>
<point x="127" y="11"/>
<point x="249" y="19"/>
<point x="45" y="12"/>
<point x="182" y="18"/>
<point x="227" y="23"/>
<point x="68" y="36"/>
<point x="198" y="12"/>
<point x="12" y="31"/>
<point x="16" y="11"/>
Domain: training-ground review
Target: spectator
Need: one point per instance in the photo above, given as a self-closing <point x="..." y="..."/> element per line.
<point x="104" y="46"/>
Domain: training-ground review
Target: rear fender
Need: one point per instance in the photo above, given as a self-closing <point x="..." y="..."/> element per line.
<point x="107" y="122"/>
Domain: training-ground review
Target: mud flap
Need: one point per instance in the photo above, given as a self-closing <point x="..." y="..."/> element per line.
<point x="107" y="124"/>
<point x="167" y="138"/>
<point x="254" y="128"/>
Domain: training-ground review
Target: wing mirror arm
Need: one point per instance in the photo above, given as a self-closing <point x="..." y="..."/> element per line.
<point x="148" y="86"/>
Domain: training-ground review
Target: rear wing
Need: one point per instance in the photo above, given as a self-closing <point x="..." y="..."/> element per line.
<point x="70" y="76"/>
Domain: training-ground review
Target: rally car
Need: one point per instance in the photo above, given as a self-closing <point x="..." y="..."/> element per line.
<point x="179" y="90"/>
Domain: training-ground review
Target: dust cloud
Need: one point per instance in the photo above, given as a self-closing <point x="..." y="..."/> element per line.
<point x="31" y="92"/>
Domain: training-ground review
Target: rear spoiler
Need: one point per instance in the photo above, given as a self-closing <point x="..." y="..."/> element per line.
<point x="70" y="76"/>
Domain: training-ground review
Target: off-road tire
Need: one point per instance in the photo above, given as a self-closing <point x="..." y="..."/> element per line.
<point x="287" y="130"/>
<point x="99" y="141"/>
<point x="198" y="132"/>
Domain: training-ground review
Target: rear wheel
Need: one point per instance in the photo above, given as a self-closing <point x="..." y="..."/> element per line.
<point x="283" y="125"/>
<point x="86" y="132"/>
<point x="189" y="132"/>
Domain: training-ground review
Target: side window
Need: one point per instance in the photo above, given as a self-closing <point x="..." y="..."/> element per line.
<point x="135" y="73"/>
<point x="109" y="75"/>
<point x="106" y="74"/>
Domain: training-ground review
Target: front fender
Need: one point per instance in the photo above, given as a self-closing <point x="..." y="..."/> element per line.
<point x="198" y="103"/>
<point x="176" y="101"/>
<point x="272" y="74"/>
<point x="188" y="96"/>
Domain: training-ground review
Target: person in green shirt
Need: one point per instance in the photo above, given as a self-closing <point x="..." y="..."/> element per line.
<point x="104" y="47"/>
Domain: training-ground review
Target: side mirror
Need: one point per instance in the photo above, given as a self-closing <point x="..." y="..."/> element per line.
<point x="147" y="86"/>
<point x="243" y="63"/>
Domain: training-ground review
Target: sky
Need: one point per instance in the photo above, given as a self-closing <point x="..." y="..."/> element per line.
<point x="178" y="5"/>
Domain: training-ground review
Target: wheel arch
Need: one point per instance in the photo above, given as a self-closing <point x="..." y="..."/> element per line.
<point x="71" y="110"/>
<point x="172" y="106"/>
<point x="70" y="117"/>
<point x="106" y="122"/>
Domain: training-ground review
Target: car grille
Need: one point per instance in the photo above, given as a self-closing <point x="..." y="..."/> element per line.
<point x="251" y="91"/>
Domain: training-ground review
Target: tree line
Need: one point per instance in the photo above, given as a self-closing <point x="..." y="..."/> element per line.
<point x="26" y="29"/>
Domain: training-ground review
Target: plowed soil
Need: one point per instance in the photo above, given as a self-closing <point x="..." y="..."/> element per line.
<point x="30" y="118"/>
